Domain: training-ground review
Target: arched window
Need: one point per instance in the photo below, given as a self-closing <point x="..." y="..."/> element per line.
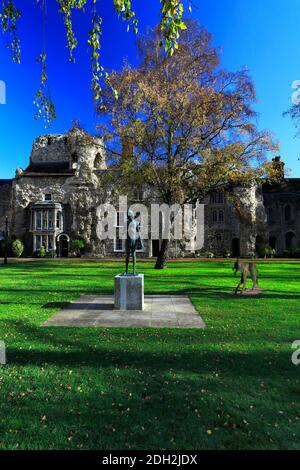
<point x="272" y="242"/>
<point x="221" y="216"/>
<point x="215" y="216"/>
<point x="287" y="213"/>
<point x="74" y="159"/>
<point x="98" y="160"/>
<point x="290" y="239"/>
<point x="270" y="215"/>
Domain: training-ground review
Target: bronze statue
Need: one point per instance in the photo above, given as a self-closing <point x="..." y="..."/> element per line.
<point x="133" y="236"/>
<point x="245" y="269"/>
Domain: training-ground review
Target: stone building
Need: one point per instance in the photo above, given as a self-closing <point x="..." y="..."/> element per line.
<point x="55" y="200"/>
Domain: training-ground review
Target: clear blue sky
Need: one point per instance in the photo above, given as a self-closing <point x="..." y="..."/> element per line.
<point x="263" y="35"/>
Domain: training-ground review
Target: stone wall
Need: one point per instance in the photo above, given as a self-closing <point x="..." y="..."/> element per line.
<point x="5" y="196"/>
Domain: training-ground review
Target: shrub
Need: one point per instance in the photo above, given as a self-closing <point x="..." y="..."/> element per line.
<point x="78" y="246"/>
<point x="41" y="252"/>
<point x="267" y="251"/>
<point x="17" y="248"/>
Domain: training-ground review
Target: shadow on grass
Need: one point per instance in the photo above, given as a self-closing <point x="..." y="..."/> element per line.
<point x="58" y="305"/>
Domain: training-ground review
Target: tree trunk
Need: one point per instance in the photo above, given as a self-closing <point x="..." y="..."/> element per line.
<point x="161" y="261"/>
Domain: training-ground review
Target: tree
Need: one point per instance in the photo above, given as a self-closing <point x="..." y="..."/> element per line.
<point x="17" y="248"/>
<point x="171" y="24"/>
<point x="189" y="123"/>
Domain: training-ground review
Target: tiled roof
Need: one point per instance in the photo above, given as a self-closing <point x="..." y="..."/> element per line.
<point x="6" y="182"/>
<point x="288" y="186"/>
<point x="50" y="167"/>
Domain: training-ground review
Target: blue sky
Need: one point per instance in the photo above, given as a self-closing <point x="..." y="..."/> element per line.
<point x="263" y="35"/>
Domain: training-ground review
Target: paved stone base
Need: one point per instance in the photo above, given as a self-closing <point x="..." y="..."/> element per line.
<point x="170" y="311"/>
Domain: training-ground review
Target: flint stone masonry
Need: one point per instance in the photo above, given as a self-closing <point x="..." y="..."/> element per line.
<point x="129" y="292"/>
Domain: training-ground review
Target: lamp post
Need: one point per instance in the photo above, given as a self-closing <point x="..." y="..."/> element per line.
<point x="5" y="240"/>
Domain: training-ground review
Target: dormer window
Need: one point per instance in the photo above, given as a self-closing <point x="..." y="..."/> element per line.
<point x="48" y="197"/>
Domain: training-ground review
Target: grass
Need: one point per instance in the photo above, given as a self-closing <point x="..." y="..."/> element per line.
<point x="230" y="386"/>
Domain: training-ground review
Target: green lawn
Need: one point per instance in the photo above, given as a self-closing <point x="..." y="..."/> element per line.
<point x="229" y="386"/>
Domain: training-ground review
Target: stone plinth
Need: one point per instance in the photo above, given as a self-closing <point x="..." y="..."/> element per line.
<point x="129" y="292"/>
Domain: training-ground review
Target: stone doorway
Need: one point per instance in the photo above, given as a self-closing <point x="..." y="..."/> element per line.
<point x="63" y="245"/>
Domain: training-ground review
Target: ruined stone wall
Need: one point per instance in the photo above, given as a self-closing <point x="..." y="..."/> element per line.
<point x="53" y="148"/>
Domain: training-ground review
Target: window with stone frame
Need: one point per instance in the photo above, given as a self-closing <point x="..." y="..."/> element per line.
<point x="121" y="218"/>
<point x="119" y="244"/>
<point x="138" y="195"/>
<point x="221" y="217"/>
<point x="287" y="213"/>
<point x="217" y="197"/>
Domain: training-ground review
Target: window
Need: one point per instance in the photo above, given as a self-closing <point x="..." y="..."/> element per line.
<point x="49" y="141"/>
<point x="50" y="220"/>
<point x="39" y="220"/>
<point x="217" y="197"/>
<point x="120" y="219"/>
<point x="50" y="243"/>
<point x="138" y="195"/>
<point x="58" y="220"/>
<point x="119" y="245"/>
<point x="48" y="197"/>
<point x="74" y="159"/>
<point x="287" y="213"/>
<point x="219" y="237"/>
<point x="98" y="160"/>
<point x="218" y="216"/>
<point x="270" y="215"/>
<point x="45" y="220"/>
<point x="290" y="239"/>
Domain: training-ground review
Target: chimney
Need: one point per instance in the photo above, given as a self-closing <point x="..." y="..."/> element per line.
<point x="279" y="166"/>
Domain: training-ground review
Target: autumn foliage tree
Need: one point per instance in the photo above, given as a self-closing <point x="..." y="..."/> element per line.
<point x="191" y="124"/>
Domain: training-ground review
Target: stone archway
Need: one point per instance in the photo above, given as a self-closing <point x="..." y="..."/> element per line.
<point x="63" y="245"/>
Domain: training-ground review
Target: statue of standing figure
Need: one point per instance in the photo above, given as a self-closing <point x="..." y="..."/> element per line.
<point x="133" y="237"/>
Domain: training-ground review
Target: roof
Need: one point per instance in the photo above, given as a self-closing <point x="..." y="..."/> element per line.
<point x="49" y="168"/>
<point x="6" y="182"/>
<point x="287" y="186"/>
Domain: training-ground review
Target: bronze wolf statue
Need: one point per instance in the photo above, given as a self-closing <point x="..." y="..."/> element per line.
<point x="245" y="269"/>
